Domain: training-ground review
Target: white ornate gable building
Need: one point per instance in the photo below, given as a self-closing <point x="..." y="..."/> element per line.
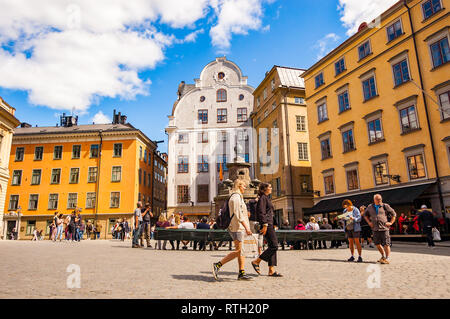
<point x="209" y="121"/>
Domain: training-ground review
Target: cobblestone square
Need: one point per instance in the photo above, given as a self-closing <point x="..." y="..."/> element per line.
<point x="112" y="269"/>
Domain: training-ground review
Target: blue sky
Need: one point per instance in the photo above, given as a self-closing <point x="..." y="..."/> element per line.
<point x="93" y="58"/>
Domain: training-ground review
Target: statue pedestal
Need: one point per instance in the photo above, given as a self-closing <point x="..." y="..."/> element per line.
<point x="236" y="170"/>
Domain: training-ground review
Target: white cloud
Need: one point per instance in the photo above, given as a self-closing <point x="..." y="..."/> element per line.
<point x="101" y="118"/>
<point x="67" y="54"/>
<point x="192" y="37"/>
<point x="235" y="17"/>
<point x="354" y="12"/>
<point x="325" y="45"/>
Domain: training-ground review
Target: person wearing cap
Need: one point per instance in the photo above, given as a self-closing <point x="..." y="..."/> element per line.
<point x="426" y="221"/>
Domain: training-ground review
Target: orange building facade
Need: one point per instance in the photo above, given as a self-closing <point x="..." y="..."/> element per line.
<point x="104" y="169"/>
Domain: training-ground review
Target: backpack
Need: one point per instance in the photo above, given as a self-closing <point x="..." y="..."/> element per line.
<point x="252" y="209"/>
<point x="224" y="219"/>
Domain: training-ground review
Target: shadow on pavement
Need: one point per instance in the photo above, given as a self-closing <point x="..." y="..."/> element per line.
<point x="340" y="261"/>
<point x="229" y="273"/>
<point x="420" y="249"/>
<point x="209" y="278"/>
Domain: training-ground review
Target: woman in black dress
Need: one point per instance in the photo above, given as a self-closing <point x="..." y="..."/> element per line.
<point x="264" y="213"/>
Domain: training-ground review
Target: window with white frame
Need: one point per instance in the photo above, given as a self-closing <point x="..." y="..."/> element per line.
<point x="53" y="201"/>
<point x="299" y="100"/>
<point x="374" y="126"/>
<point x="36" y="177"/>
<point x="13" y="202"/>
<point x="328" y="181"/>
<point x="319" y="80"/>
<point x="16" y="177"/>
<point x="38" y="153"/>
<point x="430" y="7"/>
<point x="351" y="174"/>
<point x="221" y="115"/>
<point x="20" y="151"/>
<point x="115" y="200"/>
<point x="76" y="151"/>
<point x="242" y="114"/>
<point x="322" y="112"/>
<point x="394" y="30"/>
<point x="90" y="199"/>
<point x="369" y="88"/>
<point x="74" y="175"/>
<point x="92" y="174"/>
<point x="408" y="116"/>
<point x="57" y="152"/>
<point x="56" y="176"/>
<point x="364" y="50"/>
<point x="339" y="66"/>
<point x="72" y="200"/>
<point x="325" y="145"/>
<point x="302" y="151"/>
<point x="438" y="44"/>
<point x="442" y="92"/>
<point x="343" y="100"/>
<point x="117" y="150"/>
<point x="94" y="150"/>
<point x="301" y="123"/>
<point x="415" y="161"/>
<point x="380" y="172"/>
<point x="33" y="202"/>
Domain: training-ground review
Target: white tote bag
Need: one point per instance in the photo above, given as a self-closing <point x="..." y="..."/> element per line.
<point x="250" y="246"/>
<point x="436" y="234"/>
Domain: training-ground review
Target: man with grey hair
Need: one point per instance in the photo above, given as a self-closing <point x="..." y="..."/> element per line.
<point x="380" y="217"/>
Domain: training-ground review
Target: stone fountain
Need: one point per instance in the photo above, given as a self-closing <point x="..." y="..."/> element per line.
<point x="239" y="169"/>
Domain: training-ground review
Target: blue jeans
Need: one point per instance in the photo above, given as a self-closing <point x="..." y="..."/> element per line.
<point x="59" y="232"/>
<point x="79" y="234"/>
<point x="137" y="234"/>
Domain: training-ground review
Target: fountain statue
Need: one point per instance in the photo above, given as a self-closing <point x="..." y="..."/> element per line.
<point x="239" y="169"/>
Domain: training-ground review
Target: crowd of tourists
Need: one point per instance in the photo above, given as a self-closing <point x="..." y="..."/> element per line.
<point x="72" y="228"/>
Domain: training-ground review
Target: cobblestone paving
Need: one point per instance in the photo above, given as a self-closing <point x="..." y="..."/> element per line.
<point x="111" y="269"/>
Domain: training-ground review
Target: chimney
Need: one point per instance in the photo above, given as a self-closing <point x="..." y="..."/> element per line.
<point x="119" y="118"/>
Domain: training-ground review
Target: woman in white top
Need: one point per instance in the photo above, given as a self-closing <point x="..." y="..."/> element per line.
<point x="312" y="225"/>
<point x="239" y="227"/>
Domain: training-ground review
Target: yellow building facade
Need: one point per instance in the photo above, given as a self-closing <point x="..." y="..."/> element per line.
<point x="104" y="169"/>
<point x="280" y="119"/>
<point x="379" y="114"/>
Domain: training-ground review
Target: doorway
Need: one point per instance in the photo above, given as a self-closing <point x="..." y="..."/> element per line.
<point x="9" y="229"/>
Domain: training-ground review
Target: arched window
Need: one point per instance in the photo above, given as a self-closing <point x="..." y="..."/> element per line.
<point x="221" y="95"/>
